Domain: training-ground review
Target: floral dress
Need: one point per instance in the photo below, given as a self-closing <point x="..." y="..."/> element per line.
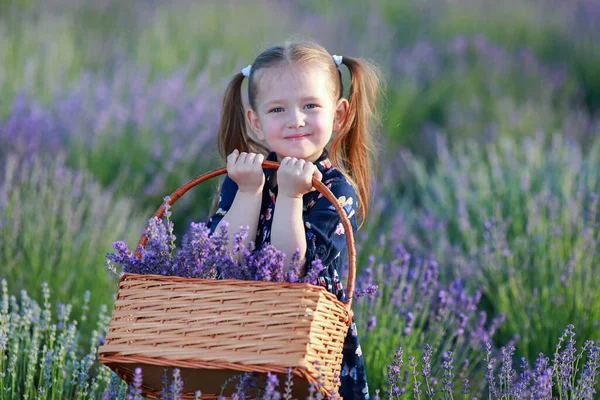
<point x="325" y="239"/>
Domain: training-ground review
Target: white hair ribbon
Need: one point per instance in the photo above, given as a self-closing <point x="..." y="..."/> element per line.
<point x="246" y="71"/>
<point x="338" y="60"/>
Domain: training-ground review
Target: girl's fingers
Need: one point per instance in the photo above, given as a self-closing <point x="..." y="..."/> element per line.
<point x="259" y="159"/>
<point x="233" y="156"/>
<point x="292" y="161"/>
<point x="318" y="174"/>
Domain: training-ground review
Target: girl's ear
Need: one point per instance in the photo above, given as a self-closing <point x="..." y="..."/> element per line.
<point x="254" y="123"/>
<point x="341" y="112"/>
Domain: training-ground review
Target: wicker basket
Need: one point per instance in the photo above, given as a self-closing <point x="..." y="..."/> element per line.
<point x="214" y="330"/>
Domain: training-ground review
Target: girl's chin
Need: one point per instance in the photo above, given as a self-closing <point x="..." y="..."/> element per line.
<point x="297" y="154"/>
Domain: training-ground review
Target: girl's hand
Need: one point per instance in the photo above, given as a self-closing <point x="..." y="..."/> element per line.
<point x="245" y="169"/>
<point x="294" y="177"/>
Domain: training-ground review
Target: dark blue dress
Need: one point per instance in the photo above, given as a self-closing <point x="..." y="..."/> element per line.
<point x="325" y="239"/>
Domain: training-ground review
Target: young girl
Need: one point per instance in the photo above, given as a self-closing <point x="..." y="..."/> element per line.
<point x="297" y="108"/>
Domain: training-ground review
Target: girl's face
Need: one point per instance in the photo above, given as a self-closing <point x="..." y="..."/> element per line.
<point x="296" y="113"/>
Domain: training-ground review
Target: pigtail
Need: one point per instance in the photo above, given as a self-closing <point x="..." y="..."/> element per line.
<point x="232" y="131"/>
<point x="355" y="143"/>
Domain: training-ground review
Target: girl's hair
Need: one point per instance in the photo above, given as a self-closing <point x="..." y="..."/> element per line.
<point x="351" y="150"/>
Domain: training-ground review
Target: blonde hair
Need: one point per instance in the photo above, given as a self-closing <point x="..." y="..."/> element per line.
<point x="352" y="150"/>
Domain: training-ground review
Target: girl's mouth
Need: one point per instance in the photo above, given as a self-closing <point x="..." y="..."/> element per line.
<point x="298" y="137"/>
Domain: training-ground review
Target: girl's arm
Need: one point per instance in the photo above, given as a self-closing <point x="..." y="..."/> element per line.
<point x="318" y="231"/>
<point x="244" y="211"/>
<point x="287" y="229"/>
<point x="244" y="183"/>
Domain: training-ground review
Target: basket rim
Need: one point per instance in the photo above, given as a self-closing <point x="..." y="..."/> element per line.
<point x="126" y="275"/>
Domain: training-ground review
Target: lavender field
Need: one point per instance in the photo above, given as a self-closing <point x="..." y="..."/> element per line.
<point x="478" y="267"/>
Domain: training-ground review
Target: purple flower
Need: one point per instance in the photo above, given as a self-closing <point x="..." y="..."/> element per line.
<point x="564" y="360"/>
<point x="448" y="375"/>
<point x="112" y="391"/>
<point x="135" y="389"/>
<point x="295" y="268"/>
<point x="588" y="378"/>
<point x="426" y="361"/>
<point x="206" y="255"/>
<point x="372" y="323"/>
<point x="412" y="363"/>
<point x="394" y="375"/>
<point x="289" y="383"/>
<point x="270" y="390"/>
<point x="176" y="385"/>
<point x="316" y="267"/>
<point x="507" y="374"/>
<point x="489" y="373"/>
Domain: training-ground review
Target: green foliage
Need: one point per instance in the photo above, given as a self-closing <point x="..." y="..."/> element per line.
<point x="515" y="217"/>
<point x="39" y="352"/>
<point x="521" y="221"/>
<point x="56" y="226"/>
<point x="469" y="88"/>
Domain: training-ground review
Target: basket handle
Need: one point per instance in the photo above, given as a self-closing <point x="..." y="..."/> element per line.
<point x="316" y="184"/>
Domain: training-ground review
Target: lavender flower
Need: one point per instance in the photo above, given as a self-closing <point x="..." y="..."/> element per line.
<point x="564" y="360"/>
<point x="409" y="319"/>
<point x="368" y="291"/>
<point x="393" y="376"/>
<point x="507" y="374"/>
<point x="448" y="375"/>
<point x="205" y="255"/>
<point x="316" y="267"/>
<point x="289" y="383"/>
<point x="412" y="362"/>
<point x="465" y="387"/>
<point x="135" y="390"/>
<point x="112" y="391"/>
<point x="295" y="267"/>
<point x="270" y="390"/>
<point x="176" y="385"/>
<point x="588" y="378"/>
<point x="426" y="361"/>
<point x="489" y="373"/>
<point x="372" y="323"/>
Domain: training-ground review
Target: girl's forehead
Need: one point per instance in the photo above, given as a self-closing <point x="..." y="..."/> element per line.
<point x="292" y="77"/>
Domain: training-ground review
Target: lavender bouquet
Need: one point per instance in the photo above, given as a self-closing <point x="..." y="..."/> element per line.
<point x="207" y="256"/>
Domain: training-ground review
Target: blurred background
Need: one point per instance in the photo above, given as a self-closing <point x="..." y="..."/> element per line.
<point x="488" y="141"/>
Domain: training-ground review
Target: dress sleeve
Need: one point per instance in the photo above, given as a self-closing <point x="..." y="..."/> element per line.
<point x="228" y="191"/>
<point x="325" y="236"/>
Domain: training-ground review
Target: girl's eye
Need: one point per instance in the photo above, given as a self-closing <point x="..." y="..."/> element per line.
<point x="312" y="105"/>
<point x="277" y="109"/>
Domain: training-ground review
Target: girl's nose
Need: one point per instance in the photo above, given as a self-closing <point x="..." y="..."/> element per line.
<point x="297" y="119"/>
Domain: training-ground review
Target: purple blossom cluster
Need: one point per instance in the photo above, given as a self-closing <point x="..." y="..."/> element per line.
<point x="496" y="91"/>
<point x="249" y="386"/>
<point x="208" y="256"/>
<point x="565" y="376"/>
<point x="130" y="102"/>
<point x="411" y="305"/>
<point x="28" y="329"/>
<point x="133" y="131"/>
<point x="530" y="243"/>
<point x="414" y="378"/>
<point x="425" y="62"/>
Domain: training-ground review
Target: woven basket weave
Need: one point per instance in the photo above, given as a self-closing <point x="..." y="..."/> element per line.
<point x="215" y="330"/>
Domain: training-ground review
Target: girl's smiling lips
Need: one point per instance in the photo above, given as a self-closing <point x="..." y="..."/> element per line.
<point x="299" y="136"/>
